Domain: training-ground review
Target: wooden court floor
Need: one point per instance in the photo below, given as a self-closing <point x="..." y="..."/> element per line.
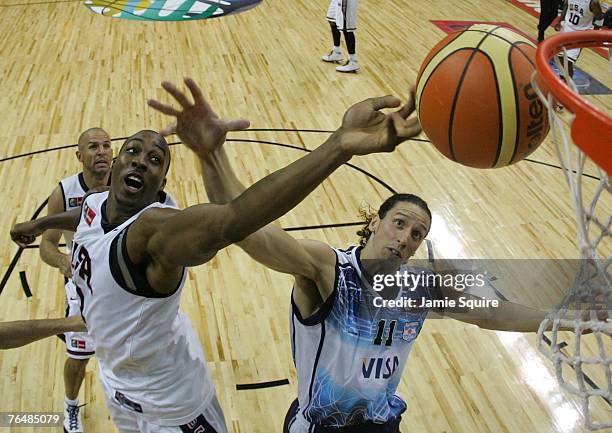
<point x="65" y="69"/>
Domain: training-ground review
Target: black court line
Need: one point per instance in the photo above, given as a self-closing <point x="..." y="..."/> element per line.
<point x="25" y="287"/>
<point x="378" y="180"/>
<point x="499" y="294"/>
<point x="24" y="284"/>
<point x="33" y="247"/>
<point x="290" y="146"/>
<point x="17" y="255"/>
<point x="323" y="226"/>
<point x="548" y="164"/>
<point x="52" y="149"/>
<point x="261" y="385"/>
<point x="281" y="382"/>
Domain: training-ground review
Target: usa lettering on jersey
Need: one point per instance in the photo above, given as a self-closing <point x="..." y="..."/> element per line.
<point x="81" y="264"/>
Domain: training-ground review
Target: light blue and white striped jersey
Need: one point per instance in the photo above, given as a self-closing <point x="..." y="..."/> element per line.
<point x="350" y="354"/>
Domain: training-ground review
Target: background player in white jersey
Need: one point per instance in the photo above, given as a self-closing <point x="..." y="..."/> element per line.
<point x="95" y="154"/>
<point x="349" y="353"/>
<point x="130" y="254"/>
<point x="577" y="15"/>
<point x="342" y="17"/>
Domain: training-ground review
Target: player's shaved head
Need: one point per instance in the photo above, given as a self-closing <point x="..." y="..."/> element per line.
<point x="95" y="152"/>
<point x="86" y="135"/>
<point x="139" y="172"/>
<point x="154" y="137"/>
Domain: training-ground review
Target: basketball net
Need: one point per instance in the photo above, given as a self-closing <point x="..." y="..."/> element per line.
<point x="585" y="305"/>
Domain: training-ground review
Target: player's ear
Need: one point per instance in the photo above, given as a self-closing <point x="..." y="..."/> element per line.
<point x="79" y="156"/>
<point x="373" y="226"/>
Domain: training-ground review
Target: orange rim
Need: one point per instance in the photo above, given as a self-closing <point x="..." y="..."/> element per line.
<point x="591" y="129"/>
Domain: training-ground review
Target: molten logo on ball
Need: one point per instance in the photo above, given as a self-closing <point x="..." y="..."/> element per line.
<point x="474" y="99"/>
<point x="535" y="129"/>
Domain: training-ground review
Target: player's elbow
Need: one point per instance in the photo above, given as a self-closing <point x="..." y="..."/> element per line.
<point x="232" y="230"/>
<point x="236" y="225"/>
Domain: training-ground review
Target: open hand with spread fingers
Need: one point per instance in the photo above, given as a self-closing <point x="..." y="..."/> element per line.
<point x="196" y="124"/>
<point x="365" y="129"/>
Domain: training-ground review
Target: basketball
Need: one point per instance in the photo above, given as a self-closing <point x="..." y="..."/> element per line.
<point x="475" y="100"/>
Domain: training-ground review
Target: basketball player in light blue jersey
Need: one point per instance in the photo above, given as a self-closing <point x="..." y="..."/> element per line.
<point x="130" y="255"/>
<point x="349" y="352"/>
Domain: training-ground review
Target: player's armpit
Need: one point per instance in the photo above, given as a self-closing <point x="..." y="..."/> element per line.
<point x="175" y="239"/>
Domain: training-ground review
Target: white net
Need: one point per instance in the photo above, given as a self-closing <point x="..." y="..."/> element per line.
<point x="588" y="304"/>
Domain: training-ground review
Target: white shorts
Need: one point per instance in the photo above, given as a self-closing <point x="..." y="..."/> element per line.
<point x="79" y="345"/>
<point x="344" y="14"/>
<point x="127" y="421"/>
<point x="572" y="54"/>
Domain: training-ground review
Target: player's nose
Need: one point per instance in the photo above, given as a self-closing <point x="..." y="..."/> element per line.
<point x="139" y="161"/>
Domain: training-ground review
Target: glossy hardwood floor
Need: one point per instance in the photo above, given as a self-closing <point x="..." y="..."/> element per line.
<point x="65" y="69"/>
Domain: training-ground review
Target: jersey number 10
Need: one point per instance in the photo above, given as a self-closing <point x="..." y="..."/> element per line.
<point x="574" y="19"/>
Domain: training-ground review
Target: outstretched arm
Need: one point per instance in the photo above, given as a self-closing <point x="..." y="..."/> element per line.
<point x="194" y="235"/>
<point x="270" y="246"/>
<point x="25" y="233"/>
<point x="22" y="332"/>
<point x="507" y="316"/>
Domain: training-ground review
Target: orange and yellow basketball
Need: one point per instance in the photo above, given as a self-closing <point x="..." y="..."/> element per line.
<point x="475" y="100"/>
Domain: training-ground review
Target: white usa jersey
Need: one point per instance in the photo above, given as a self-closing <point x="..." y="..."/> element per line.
<point x="74" y="190"/>
<point x="350" y="355"/>
<point x="150" y="358"/>
<point x="578" y="16"/>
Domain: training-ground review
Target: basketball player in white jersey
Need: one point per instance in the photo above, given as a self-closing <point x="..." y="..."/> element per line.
<point x="95" y="154"/>
<point x="342" y="17"/>
<point x="350" y="352"/>
<point x="130" y="255"/>
<point x="578" y="15"/>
